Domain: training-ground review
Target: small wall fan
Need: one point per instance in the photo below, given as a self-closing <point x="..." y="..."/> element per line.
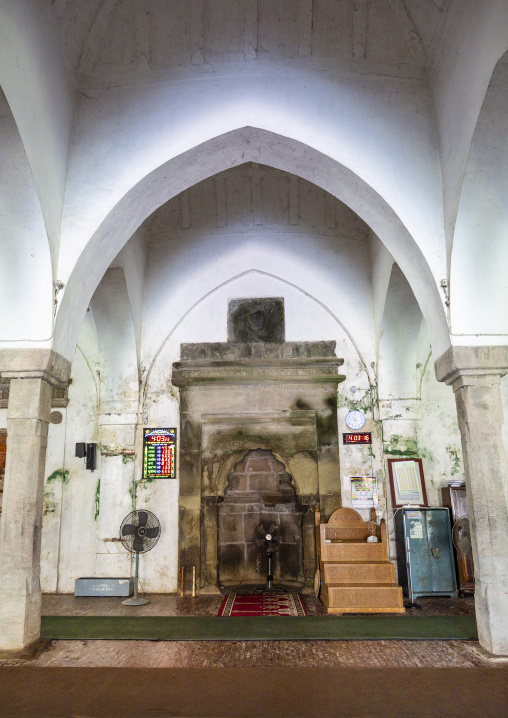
<point x="139" y="532"/>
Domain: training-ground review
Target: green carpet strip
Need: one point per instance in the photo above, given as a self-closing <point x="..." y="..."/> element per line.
<point x="263" y="628"/>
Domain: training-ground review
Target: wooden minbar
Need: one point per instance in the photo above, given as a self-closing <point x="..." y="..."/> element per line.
<point x="356" y="576"/>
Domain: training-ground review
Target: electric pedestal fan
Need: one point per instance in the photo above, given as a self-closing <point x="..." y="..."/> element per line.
<point x="461" y="534"/>
<point x="139" y="532"/>
<point x="268" y="538"/>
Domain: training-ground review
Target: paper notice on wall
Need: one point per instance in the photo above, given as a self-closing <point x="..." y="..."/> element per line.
<point x="408" y="487"/>
<point x="415" y="530"/>
<point x="363" y="492"/>
<point x="407" y="478"/>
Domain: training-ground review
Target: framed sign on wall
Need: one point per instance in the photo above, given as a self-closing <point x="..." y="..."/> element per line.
<point x="407" y="482"/>
<point x="159" y="453"/>
<point x="363" y="492"/>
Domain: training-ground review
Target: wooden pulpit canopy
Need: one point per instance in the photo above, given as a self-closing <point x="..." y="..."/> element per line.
<point x="346" y="524"/>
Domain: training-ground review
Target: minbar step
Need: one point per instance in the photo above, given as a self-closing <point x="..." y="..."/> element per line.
<point x="358" y="573"/>
<point x="366" y="598"/>
<point x="353" y="552"/>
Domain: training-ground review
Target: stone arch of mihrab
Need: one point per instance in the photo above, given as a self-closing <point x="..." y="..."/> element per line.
<point x="260" y="493"/>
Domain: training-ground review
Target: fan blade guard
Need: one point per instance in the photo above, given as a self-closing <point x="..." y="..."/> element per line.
<point x="142" y="518"/>
<point x="461" y="534"/>
<point x="140" y="531"/>
<point x="138" y="545"/>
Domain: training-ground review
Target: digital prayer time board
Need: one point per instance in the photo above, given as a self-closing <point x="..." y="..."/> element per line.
<point x="159" y="453"/>
<point x="365" y="438"/>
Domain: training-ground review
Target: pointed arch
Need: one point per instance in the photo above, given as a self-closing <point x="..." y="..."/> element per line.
<point x="220" y="153"/>
<point x="229" y="281"/>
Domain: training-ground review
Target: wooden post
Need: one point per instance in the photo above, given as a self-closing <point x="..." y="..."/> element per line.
<point x="317" y="576"/>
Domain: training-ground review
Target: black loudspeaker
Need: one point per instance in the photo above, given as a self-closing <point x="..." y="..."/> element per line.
<point x="81" y="450"/>
<point x="91" y="455"/>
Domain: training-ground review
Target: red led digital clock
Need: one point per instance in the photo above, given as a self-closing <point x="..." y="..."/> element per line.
<point x="357" y="438"/>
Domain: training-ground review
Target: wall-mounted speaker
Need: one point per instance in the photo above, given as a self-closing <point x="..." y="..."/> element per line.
<point x="81" y="450"/>
<point x="91" y="456"/>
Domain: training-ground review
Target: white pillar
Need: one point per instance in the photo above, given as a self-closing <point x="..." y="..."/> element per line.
<point x="21" y="522"/>
<point x="475" y="373"/>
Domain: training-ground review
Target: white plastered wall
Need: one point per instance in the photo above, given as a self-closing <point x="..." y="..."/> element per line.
<point x="438" y="435"/>
<point x="69" y="532"/>
<point x="26" y="289"/>
<point x="479" y="282"/>
<point x="40" y="90"/>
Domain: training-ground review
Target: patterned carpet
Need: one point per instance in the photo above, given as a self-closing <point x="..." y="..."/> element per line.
<point x="263" y="604"/>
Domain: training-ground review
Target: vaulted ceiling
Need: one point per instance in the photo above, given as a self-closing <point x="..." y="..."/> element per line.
<point x="105" y="39"/>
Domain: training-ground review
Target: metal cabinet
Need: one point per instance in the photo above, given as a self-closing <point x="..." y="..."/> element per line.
<point x="425" y="552"/>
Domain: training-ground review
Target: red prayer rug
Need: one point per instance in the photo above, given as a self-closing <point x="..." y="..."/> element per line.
<point x="263" y="604"/>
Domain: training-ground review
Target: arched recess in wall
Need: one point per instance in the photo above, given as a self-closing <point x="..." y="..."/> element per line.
<point x="229" y="282"/>
<point x="117" y="345"/>
<point x="478" y="279"/>
<point x="26" y="283"/>
<point x="398" y="344"/>
<point x="228" y="150"/>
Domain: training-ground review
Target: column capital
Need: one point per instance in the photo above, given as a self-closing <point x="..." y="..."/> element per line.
<point x="466" y="366"/>
<point x="34" y="364"/>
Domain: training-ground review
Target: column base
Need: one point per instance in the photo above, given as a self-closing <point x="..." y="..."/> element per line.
<point x="20" y="620"/>
<point x="492" y="618"/>
<point x="28" y="653"/>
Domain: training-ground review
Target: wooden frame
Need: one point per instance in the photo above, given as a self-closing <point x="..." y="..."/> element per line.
<point x="418" y="496"/>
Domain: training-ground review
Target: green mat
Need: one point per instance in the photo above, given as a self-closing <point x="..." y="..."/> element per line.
<point x="262" y="628"/>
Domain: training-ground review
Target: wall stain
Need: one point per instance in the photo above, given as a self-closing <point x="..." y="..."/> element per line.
<point x="49" y="505"/>
<point x="132" y="493"/>
<point x="401" y="446"/>
<point x="453" y="453"/>
<point x="97" y="499"/>
<point x="59" y="474"/>
<point x="365" y="404"/>
<point x="427" y="454"/>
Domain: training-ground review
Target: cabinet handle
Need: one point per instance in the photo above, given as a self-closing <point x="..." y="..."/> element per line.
<point x="435" y="552"/>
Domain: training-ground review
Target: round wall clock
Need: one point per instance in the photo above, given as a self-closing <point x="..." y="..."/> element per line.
<point x="355" y="419"/>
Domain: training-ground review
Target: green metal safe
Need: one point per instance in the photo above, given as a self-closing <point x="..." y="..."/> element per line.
<point x="425" y="552"/>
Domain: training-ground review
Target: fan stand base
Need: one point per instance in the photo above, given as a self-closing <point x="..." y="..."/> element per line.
<point x="136" y="601"/>
<point x="270" y="589"/>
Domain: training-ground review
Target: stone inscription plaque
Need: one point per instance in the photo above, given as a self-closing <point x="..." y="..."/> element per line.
<point x="256" y="320"/>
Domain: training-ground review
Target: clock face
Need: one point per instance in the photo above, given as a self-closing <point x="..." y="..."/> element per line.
<point x="355" y="419"/>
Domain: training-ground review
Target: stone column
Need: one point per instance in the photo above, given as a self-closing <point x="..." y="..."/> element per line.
<point x="191" y="520"/>
<point x="20" y="528"/>
<point x="475" y="373"/>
